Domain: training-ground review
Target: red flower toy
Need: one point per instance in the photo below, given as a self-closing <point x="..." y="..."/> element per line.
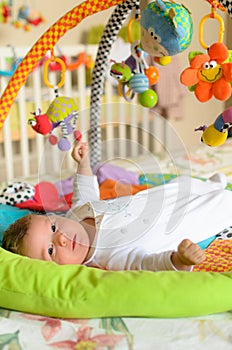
<point x="209" y="74"/>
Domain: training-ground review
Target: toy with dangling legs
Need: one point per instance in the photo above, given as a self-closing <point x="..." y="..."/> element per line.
<point x="62" y="113"/>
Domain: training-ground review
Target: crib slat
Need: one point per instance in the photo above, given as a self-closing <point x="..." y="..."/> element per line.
<point x="39" y="139"/>
<point x="9" y="164"/>
<point x="68" y="91"/>
<point x="23" y="133"/>
<point x="145" y="129"/>
<point x="134" y="130"/>
<point x="159" y="138"/>
<point x="122" y="129"/>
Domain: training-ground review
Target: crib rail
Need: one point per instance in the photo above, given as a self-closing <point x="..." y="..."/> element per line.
<point x="128" y="130"/>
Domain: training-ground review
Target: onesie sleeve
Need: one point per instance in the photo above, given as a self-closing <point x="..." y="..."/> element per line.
<point x="138" y="259"/>
<point x="85" y="190"/>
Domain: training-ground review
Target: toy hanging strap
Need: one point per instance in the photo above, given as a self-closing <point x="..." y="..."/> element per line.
<point x="62" y="65"/>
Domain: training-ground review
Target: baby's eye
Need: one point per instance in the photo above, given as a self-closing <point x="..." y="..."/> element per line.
<point x="50" y="250"/>
<point x="53" y="228"/>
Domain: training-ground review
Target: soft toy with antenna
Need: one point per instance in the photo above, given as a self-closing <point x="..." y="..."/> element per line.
<point x="217" y="133"/>
<point x="166" y="29"/>
<point x="62" y="113"/>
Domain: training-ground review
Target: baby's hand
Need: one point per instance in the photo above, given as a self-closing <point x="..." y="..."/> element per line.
<point x="188" y="253"/>
<point x="80" y="154"/>
<point x="80" y="151"/>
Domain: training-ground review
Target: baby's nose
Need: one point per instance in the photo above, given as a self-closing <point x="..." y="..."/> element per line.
<point x="61" y="239"/>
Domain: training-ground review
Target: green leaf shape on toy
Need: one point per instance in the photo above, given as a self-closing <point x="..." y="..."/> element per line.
<point x="193" y="54"/>
<point x="210" y="73"/>
<point x="229" y="59"/>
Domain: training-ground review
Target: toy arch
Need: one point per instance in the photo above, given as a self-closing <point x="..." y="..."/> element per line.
<point x="48" y="40"/>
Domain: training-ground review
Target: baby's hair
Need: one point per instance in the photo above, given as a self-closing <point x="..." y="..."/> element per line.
<point x="13" y="236"/>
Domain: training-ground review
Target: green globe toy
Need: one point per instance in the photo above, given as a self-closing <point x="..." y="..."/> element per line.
<point x="148" y="98"/>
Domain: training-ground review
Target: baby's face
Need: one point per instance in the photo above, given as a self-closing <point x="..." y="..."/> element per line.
<point x="55" y="238"/>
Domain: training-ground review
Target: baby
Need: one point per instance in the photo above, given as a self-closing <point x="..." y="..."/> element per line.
<point x="125" y="233"/>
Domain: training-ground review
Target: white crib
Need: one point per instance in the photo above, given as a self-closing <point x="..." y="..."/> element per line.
<point x="128" y="129"/>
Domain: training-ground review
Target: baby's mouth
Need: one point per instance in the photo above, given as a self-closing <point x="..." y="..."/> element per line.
<point x="74" y="242"/>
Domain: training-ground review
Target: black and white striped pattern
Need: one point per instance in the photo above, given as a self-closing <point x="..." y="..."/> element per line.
<point x="228" y="5"/>
<point x="99" y="71"/>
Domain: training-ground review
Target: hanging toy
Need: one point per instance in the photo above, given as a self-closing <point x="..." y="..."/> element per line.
<point x="210" y="74"/>
<point x="166" y="29"/>
<point x="217" y="133"/>
<point x="120" y="71"/>
<point x="26" y="17"/>
<point x="134" y="76"/>
<point x="14" y="64"/>
<point x="62" y="113"/>
<point x="5" y="12"/>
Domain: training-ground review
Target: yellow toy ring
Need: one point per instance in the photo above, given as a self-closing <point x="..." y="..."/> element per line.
<point x="221" y="29"/>
<point x="63" y="69"/>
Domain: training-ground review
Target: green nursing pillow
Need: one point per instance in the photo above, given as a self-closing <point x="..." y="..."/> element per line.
<point x="75" y="291"/>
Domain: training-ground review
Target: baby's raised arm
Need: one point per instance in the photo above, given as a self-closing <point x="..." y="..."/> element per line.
<point x="80" y="154"/>
<point x="85" y="185"/>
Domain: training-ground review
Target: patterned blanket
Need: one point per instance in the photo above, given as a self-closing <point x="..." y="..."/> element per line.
<point x="218" y="257"/>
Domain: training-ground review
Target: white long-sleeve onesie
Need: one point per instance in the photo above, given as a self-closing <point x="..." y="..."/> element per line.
<point x="141" y="231"/>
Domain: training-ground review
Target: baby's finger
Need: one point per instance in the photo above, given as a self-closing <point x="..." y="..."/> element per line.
<point x="185" y="244"/>
<point x="76" y="152"/>
<point x="201" y="255"/>
<point x="84" y="148"/>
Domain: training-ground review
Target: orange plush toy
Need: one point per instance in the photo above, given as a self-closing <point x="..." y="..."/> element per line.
<point x="209" y="74"/>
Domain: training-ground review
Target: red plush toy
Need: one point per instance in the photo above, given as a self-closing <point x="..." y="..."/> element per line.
<point x="209" y="74"/>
